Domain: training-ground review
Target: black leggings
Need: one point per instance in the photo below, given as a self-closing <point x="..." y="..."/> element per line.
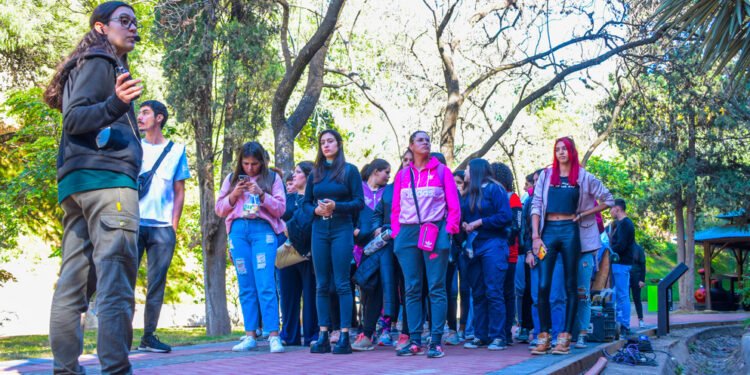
<point x="635" y="290"/>
<point x="560" y="237"/>
<point x="452" y="292"/>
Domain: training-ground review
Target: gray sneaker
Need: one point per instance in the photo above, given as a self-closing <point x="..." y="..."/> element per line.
<point x="581" y="342"/>
<point x="497" y="344"/>
<point x="452" y="338"/>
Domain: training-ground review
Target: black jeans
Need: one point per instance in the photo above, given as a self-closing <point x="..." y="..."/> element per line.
<point x="451" y="286"/>
<point x="159" y="244"/>
<point x="561" y="238"/>
<point x="332" y="243"/>
<point x="635" y="291"/>
<point x="525" y="314"/>
<point x="298" y="284"/>
<point x="508" y="294"/>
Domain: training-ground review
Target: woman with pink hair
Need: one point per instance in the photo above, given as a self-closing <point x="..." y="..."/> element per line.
<point x="563" y="222"/>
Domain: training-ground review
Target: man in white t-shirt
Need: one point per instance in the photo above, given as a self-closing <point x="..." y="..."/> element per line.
<point x="161" y="208"/>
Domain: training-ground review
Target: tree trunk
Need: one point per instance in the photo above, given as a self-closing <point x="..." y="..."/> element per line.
<point x="679" y="218"/>
<point x="691" y="198"/>
<point x="284" y="147"/>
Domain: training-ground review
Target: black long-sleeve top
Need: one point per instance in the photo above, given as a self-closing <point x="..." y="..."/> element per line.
<point x="495" y="213"/>
<point x="638" y="272"/>
<point x="347" y="194"/>
<point x="622" y="241"/>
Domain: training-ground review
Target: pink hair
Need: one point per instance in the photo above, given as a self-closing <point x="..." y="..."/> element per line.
<point x="575" y="165"/>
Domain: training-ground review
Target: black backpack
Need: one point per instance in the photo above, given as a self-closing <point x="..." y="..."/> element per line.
<point x="299" y="228"/>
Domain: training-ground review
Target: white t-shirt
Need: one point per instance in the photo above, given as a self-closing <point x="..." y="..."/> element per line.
<point x="157" y="205"/>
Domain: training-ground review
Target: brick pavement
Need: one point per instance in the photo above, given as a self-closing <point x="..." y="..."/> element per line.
<point x="218" y="359"/>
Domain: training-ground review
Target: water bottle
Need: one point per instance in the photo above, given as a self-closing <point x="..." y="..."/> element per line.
<point x="377" y="243"/>
<point x="468" y="245"/>
<point x="251" y="205"/>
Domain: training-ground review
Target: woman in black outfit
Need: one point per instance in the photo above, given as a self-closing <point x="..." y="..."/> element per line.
<point x="297" y="282"/>
<point x="334" y="192"/>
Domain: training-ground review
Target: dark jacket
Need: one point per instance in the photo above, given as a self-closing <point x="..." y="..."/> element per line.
<point x="622" y="240"/>
<point x="638" y="271"/>
<point x="524" y="239"/>
<point x="494" y="212"/>
<point x="347" y="194"/>
<point x="382" y="216"/>
<point x="298" y="218"/>
<point x="89" y="105"/>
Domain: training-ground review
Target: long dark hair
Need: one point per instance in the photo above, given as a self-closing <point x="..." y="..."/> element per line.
<point x="254" y="149"/>
<point x="306" y="167"/>
<point x="401" y="162"/>
<point x="376" y="165"/>
<point x="91" y="40"/>
<point x="480" y="173"/>
<point x="339" y="162"/>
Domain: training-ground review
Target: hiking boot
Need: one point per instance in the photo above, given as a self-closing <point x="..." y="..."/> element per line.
<point x="362" y="343"/>
<point x="563" y="344"/>
<point x="323" y="345"/>
<point x="152" y="344"/>
<point x="497" y="344"/>
<point x="581" y="342"/>
<point x="475" y="344"/>
<point x="344" y="346"/>
<point x="523" y="335"/>
<point x="248" y="343"/>
<point x="435" y="351"/>
<point x="452" y="338"/>
<point x="412" y="348"/>
<point x="542" y="346"/>
<point x="403" y="341"/>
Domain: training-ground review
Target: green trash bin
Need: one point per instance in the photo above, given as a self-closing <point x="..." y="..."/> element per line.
<point x="653" y="298"/>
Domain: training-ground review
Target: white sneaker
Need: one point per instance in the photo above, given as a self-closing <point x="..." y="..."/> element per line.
<point x="641" y="324"/>
<point x="248" y="343"/>
<point x="275" y="343"/>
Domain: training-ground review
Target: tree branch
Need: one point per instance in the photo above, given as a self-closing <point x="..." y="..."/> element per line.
<point x="549" y="86"/>
<point x="285" y="34"/>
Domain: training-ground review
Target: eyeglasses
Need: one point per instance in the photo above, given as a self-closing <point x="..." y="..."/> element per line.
<point x="126" y="21"/>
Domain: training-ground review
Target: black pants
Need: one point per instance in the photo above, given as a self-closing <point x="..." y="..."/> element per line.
<point x="401" y="300"/>
<point x="561" y="238"/>
<point x="526" y="319"/>
<point x="635" y="291"/>
<point x="509" y="290"/>
<point x="159" y="244"/>
<point x="298" y="284"/>
<point x="451" y="286"/>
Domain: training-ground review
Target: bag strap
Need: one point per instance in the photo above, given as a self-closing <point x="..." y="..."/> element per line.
<point x="414" y="192"/>
<point x="162" y="156"/>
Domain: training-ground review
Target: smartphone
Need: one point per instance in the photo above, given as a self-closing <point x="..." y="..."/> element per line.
<point x="542" y="252"/>
<point x="242" y="178"/>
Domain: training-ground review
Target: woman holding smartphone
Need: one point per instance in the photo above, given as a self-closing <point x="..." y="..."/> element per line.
<point x="253" y="200"/>
<point x="563" y="222"/>
<point x="334" y="191"/>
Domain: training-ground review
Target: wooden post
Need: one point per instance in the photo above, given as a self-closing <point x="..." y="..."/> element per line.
<point x="707" y="272"/>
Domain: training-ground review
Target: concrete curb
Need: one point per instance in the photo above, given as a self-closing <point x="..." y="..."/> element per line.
<point x="583" y="362"/>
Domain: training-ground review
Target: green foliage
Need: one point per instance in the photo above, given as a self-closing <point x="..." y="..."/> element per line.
<point x="321" y="119"/>
<point x="28" y="187"/>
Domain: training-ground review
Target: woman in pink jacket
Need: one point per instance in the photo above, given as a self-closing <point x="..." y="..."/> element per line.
<point x="424" y="193"/>
<point x="253" y="199"/>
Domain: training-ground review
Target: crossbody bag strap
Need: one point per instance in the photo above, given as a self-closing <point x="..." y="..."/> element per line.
<point x="162" y="156"/>
<point x="414" y="192"/>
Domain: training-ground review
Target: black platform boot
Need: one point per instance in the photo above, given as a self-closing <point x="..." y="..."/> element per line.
<point x="344" y="346"/>
<point x="323" y="345"/>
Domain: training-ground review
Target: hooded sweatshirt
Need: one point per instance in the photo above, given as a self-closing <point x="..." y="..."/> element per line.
<point x="437" y="197"/>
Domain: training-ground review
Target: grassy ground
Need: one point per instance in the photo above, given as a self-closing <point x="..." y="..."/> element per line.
<point x="37" y="346"/>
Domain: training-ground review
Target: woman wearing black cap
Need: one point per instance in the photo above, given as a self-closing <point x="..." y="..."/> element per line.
<point x="97" y="168"/>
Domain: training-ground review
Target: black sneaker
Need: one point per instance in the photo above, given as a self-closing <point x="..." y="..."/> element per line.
<point x="497" y="344"/>
<point x="412" y="349"/>
<point x="151" y="343"/>
<point x="436" y="351"/>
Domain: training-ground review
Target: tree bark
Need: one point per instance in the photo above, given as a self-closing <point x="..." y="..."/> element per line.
<point x="691" y="198"/>
<point x="679" y="218"/>
<point x="311" y="57"/>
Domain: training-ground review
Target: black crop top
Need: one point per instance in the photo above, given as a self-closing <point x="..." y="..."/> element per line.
<point x="563" y="199"/>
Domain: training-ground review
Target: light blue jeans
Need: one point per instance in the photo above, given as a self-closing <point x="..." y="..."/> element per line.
<point x="585" y="270"/>
<point x="622" y="294"/>
<point x="556" y="298"/>
<point x="253" y="247"/>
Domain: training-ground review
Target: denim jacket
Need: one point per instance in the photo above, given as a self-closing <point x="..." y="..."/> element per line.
<point x="591" y="190"/>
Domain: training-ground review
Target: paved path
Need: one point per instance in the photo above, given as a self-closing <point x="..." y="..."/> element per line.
<point x="218" y="359"/>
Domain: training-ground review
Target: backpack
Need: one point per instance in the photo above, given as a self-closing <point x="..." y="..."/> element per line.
<point x="299" y="228"/>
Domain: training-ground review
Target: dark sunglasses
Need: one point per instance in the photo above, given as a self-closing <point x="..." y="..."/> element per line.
<point x="126" y="21"/>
